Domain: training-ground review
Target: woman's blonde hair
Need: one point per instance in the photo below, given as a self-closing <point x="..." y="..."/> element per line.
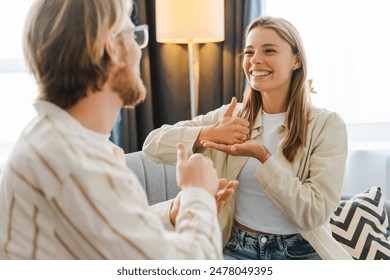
<point x="63" y="46"/>
<point x="298" y="109"/>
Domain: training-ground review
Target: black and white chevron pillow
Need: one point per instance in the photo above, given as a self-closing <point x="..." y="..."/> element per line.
<point x="361" y="226"/>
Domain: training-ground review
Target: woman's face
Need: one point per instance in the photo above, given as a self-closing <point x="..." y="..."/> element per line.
<point x="268" y="61"/>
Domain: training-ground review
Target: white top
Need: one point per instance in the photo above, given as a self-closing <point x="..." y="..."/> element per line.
<point x="65" y="194"/>
<point x="254" y="209"/>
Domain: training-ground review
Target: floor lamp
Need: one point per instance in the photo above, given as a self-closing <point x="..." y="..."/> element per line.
<point x="190" y="22"/>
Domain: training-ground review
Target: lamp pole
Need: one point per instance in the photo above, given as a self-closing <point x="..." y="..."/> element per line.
<point x="190" y="22"/>
<point x="193" y="60"/>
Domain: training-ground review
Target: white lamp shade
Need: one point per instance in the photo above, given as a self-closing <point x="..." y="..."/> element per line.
<point x="181" y="21"/>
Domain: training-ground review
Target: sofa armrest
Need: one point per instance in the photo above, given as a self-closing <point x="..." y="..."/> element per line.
<point x="157" y="179"/>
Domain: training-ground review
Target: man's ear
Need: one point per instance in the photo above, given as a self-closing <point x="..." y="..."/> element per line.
<point x="112" y="50"/>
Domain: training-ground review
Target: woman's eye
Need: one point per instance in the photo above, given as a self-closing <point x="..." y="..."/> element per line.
<point x="269" y="51"/>
<point x="248" y="52"/>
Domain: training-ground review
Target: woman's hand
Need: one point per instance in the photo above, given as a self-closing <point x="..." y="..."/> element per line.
<point x="228" y="130"/>
<point x="250" y="148"/>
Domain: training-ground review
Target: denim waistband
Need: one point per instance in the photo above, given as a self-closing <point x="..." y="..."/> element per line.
<point x="244" y="245"/>
<point x="265" y="238"/>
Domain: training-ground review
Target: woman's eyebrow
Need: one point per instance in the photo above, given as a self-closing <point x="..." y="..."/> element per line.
<point x="263" y="46"/>
<point x="270" y="45"/>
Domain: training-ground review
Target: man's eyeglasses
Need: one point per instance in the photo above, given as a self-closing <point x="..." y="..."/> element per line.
<point x="141" y="34"/>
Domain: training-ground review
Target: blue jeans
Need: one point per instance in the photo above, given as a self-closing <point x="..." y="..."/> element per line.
<point x="244" y="245"/>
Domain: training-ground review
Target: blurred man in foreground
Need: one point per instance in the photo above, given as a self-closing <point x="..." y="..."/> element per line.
<point x="66" y="192"/>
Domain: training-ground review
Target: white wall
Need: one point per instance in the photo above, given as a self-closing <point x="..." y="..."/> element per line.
<point x="369" y="158"/>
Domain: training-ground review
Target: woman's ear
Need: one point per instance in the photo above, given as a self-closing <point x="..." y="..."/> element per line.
<point x="297" y="63"/>
<point x="296" y="66"/>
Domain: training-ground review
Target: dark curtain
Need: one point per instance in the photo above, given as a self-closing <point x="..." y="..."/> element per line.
<point x="164" y="70"/>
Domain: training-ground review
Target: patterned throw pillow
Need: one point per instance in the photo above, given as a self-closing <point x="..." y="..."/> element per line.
<point x="361" y="226"/>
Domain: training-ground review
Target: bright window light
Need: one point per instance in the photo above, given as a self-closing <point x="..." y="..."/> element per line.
<point x="348" y="49"/>
<point x="18" y="88"/>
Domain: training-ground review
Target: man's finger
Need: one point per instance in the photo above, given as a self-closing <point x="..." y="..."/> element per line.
<point x="222" y="184"/>
<point x="225" y="196"/>
<point x="226" y="189"/>
<point x="181" y="153"/>
<point x="230" y="109"/>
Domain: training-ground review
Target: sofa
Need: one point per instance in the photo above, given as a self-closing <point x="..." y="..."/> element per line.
<point x="359" y="216"/>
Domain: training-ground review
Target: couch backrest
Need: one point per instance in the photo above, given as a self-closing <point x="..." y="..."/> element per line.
<point x="158" y="180"/>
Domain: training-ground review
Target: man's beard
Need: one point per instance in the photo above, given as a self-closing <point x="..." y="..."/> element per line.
<point x="129" y="86"/>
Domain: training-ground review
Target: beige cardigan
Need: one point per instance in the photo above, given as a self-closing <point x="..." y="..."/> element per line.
<point x="307" y="190"/>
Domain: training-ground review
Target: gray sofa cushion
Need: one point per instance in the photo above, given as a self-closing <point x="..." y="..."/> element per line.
<point x="158" y="180"/>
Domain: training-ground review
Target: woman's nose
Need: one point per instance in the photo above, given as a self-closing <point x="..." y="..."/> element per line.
<point x="256" y="58"/>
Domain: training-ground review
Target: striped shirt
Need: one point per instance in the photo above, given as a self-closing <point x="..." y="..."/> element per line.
<point x="64" y="194"/>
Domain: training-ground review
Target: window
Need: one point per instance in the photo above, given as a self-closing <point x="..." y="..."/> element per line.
<point x="347" y="44"/>
<point x="18" y="88"/>
<point x="348" y="50"/>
